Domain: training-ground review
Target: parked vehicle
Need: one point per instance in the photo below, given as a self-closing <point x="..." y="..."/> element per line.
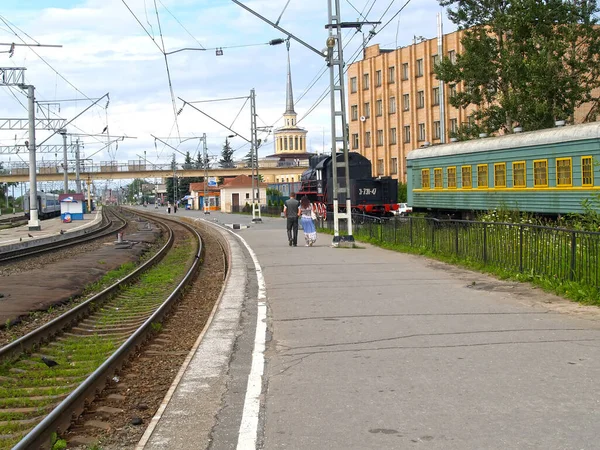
<point x="547" y="172"/>
<point x="403" y="209"/>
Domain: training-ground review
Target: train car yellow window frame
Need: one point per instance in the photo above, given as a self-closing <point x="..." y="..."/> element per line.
<point x="482" y="175"/>
<point x="500" y="175"/>
<point x="587" y="171"/>
<point x="467" y="176"/>
<point x="519" y="174"/>
<point x="425" y="179"/>
<point x="438" y="178"/>
<point x="564" y="172"/>
<point x="540" y="173"/>
<point x="451" y="174"/>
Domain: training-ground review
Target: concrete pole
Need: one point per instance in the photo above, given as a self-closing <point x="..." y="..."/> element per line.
<point x="65" y="162"/>
<point x="34" y="221"/>
<point x="442" y="98"/>
<point x="77" y="175"/>
<point x="254" y="149"/>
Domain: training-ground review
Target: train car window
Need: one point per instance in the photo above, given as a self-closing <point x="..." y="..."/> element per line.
<point x="500" y="175"/>
<point x="438" y="178"/>
<point x="587" y="171"/>
<point x="564" y="174"/>
<point x="519" y="174"/>
<point x="425" y="178"/>
<point x="540" y="173"/>
<point x="482" y="175"/>
<point x="451" y="173"/>
<point x="467" y="182"/>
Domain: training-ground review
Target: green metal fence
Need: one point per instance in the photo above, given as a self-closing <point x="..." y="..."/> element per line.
<point x="562" y="254"/>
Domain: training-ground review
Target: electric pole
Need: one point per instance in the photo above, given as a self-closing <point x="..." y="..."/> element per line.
<point x="205" y="204"/>
<point x="254" y="150"/>
<point x="63" y="132"/>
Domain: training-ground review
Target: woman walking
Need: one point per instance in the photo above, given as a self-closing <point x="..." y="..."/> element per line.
<point x="306" y="218"/>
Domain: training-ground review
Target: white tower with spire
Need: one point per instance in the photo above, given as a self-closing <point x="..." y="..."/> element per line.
<point x="290" y="140"/>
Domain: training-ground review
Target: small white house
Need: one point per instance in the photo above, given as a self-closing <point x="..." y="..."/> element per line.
<point x="237" y="192"/>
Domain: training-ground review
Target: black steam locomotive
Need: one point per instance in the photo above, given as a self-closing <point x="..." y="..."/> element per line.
<point x="376" y="196"/>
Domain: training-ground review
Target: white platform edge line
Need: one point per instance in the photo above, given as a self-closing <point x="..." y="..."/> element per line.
<point x="248" y="432"/>
<point x="161" y="409"/>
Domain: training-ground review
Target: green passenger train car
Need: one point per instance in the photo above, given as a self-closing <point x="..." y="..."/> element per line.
<point x="547" y="172"/>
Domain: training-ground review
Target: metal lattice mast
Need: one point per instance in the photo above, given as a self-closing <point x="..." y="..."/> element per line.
<point x="254" y="148"/>
<point x="77" y="168"/>
<point x="205" y="164"/>
<point x="341" y="181"/>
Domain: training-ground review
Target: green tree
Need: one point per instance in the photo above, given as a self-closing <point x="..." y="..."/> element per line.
<point x="187" y="162"/>
<point x="226" y="155"/>
<point x="524" y="62"/>
<point x="248" y="158"/>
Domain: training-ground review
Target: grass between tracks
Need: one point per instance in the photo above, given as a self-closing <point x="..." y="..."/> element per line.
<point x="30" y="389"/>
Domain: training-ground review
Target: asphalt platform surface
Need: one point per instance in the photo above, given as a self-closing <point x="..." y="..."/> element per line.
<point x="372" y="349"/>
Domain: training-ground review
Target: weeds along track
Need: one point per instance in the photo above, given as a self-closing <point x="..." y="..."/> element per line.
<point x="48" y="376"/>
<point x="112" y="222"/>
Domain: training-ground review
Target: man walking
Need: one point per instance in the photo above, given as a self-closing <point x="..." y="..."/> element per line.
<point x="290" y="212"/>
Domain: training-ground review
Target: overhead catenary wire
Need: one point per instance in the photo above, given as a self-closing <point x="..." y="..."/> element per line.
<point x="177" y="20"/>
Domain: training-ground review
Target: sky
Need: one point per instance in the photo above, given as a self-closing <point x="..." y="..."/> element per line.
<point x="108" y="49"/>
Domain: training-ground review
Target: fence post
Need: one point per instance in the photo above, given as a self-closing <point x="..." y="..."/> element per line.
<point x="521" y="248"/>
<point x="456" y="238"/>
<point x="485" y="243"/>
<point x="573" y="255"/>
<point x="433" y="235"/>
<point x="381" y="232"/>
<point x="411" y="230"/>
<point x="395" y="232"/>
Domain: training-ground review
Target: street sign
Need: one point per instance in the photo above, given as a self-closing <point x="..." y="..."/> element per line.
<point x="212" y="181"/>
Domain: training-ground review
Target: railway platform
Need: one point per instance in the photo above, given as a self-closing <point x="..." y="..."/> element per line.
<point x="21" y="237"/>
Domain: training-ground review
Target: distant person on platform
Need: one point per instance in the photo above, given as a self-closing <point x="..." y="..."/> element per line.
<point x="308" y="224"/>
<point x="169" y="208"/>
<point x="175" y="207"/>
<point x="291" y="212"/>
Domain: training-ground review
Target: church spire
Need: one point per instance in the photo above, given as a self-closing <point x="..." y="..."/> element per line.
<point x="289" y="94"/>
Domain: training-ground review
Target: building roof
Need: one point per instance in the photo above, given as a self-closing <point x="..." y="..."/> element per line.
<point x="199" y="187"/>
<point x="291" y="155"/>
<point x="241" y="182"/>
<point x="289" y="95"/>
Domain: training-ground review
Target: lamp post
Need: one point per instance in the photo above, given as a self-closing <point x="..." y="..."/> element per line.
<point x="63" y="132"/>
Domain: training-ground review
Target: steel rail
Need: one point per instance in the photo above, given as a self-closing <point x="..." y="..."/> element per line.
<point x="61" y="416"/>
<point x="97" y="233"/>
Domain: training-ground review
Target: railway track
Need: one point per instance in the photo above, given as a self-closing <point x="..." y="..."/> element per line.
<point x="48" y="375"/>
<point x="112" y="222"/>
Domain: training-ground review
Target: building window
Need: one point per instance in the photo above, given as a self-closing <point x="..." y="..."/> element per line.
<point x="392" y="105"/>
<point x="563" y="172"/>
<point x="425" y="178"/>
<point x="378" y="78"/>
<point x="420" y="99"/>
<point x="500" y="175"/>
<point x="436" y="96"/>
<point x="519" y="174"/>
<point x="405" y="71"/>
<point x="406" y="133"/>
<point x="435" y="59"/>
<point x="355" y="140"/>
<point x="379" y="137"/>
<point x="482" y="176"/>
<point x="451" y="172"/>
<point x="452" y="56"/>
<point x="436" y="129"/>
<point x="353" y="84"/>
<point x="367" y="109"/>
<point x="452" y="90"/>
<point x="467" y="180"/>
<point x="380" y="167"/>
<point x="406" y="102"/>
<point x="379" y="107"/>
<point x="421" y="132"/>
<point x="587" y="171"/>
<point x="394" y="166"/>
<point x="453" y="125"/>
<point x="420" y="67"/>
<point x="354" y="112"/>
<point x="366" y="81"/>
<point x="540" y="173"/>
<point x="438" y="178"/>
<point x="392" y="75"/>
<point x="368" y="139"/>
<point x="393" y="137"/>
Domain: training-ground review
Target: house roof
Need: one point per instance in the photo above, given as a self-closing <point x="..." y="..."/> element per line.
<point x="199" y="187"/>
<point x="241" y="181"/>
